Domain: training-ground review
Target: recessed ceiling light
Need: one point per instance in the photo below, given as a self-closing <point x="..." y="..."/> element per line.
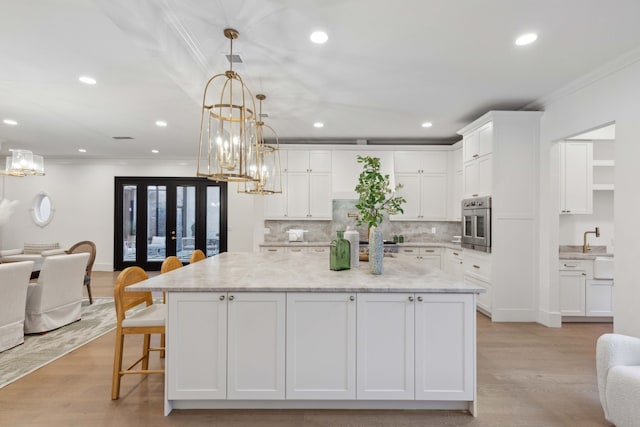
<point x="87" y="80"/>
<point x="526" y="39"/>
<point x="427" y="124"/>
<point x="318" y="125"/>
<point x="319" y="37"/>
<point x="155" y="151"/>
<point x="10" y="122"/>
<point x="82" y="150"/>
<point x="161" y="123"/>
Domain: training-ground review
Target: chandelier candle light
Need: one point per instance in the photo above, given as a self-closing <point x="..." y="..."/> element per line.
<point x="24" y="163"/>
<point x="228" y="127"/>
<point x="265" y="173"/>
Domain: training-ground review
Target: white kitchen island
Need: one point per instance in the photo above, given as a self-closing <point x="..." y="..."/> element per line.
<point x="261" y="330"/>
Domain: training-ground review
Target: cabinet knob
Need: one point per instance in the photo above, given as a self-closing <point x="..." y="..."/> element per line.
<point x="419" y="298"/>
<point x="231" y="298"/>
<point x="221" y="297"/>
<point x="411" y="299"/>
<point x="352" y="298"/>
<point x="476" y="266"/>
<point x="584" y="274"/>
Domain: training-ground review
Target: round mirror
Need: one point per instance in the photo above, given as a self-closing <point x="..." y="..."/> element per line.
<point x="42" y="210"/>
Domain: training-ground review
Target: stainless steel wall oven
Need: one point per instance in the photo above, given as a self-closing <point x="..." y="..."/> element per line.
<point x="476" y="224"/>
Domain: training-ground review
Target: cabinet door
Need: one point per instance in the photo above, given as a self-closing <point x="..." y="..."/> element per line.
<point x="576" y="177"/>
<point x="385" y="346"/>
<point x="471" y="179"/>
<point x="298" y="161"/>
<point x="297" y="194"/>
<point x="485" y="139"/>
<point x="485" y="175"/>
<point x="454" y="264"/>
<point x="470" y="147"/>
<point x="407" y="162"/>
<point x="484" y="300"/>
<point x="256" y="345"/>
<point x="320" y="195"/>
<point x="456" y="196"/>
<point x="433" y="197"/>
<point x="190" y="347"/>
<point x="599" y="298"/>
<point x="321" y="352"/>
<point x="434" y="261"/>
<point x="275" y="205"/>
<point x="445" y="350"/>
<point x="320" y="161"/>
<point x="572" y="293"/>
<point x="411" y="192"/>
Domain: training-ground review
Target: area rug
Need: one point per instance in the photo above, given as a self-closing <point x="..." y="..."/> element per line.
<point x="38" y="350"/>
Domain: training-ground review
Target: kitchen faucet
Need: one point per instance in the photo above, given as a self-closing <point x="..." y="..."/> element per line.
<point x="585" y="246"/>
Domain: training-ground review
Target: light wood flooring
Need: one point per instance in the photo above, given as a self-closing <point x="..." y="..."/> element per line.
<point x="528" y="375"/>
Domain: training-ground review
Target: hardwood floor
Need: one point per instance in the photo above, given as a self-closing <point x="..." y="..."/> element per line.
<point x="528" y="375"/>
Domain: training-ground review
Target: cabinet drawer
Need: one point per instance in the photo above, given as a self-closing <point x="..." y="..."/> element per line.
<point x="319" y="250"/>
<point x="478" y="266"/>
<point x="273" y="249"/>
<point x="483" y="300"/>
<point x="577" y="265"/>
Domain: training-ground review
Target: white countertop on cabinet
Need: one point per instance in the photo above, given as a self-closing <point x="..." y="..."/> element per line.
<point x="301" y="272"/>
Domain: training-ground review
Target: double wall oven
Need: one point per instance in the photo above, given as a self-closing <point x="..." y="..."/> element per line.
<point x="476" y="224"/>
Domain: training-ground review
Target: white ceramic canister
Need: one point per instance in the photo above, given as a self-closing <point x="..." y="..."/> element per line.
<point x="354" y="240"/>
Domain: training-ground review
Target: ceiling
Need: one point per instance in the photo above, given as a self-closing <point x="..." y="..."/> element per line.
<point x="387" y="67"/>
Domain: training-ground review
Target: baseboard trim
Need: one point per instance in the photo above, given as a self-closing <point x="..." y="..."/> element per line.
<point x="513" y="315"/>
<point x="550" y="319"/>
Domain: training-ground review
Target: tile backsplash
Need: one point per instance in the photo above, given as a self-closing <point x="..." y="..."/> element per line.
<point x="324" y="231"/>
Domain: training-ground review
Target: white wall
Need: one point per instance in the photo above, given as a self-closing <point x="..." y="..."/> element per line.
<point x="572" y="227"/>
<point x="612" y="98"/>
<point x="83" y="197"/>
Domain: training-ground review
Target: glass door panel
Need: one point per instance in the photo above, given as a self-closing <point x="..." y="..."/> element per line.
<point x="156" y="222"/>
<point x="129" y="215"/>
<point x="185" y="229"/>
<point x="481" y="220"/>
<point x="213" y="221"/>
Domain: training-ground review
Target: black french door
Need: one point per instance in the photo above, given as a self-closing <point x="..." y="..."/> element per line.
<point x="160" y="217"/>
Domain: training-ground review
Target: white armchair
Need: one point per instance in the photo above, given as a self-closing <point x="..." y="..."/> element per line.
<point x="618" y="370"/>
<point x="14" y="278"/>
<point x="55" y="300"/>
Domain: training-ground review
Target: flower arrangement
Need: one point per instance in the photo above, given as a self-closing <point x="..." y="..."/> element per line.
<point x="375" y="196"/>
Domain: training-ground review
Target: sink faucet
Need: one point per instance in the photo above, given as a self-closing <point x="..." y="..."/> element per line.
<point x="585" y="246"/>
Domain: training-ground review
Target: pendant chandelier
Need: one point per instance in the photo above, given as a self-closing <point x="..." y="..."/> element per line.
<point x="24" y="163"/>
<point x="227" y="127"/>
<point x="265" y="173"/>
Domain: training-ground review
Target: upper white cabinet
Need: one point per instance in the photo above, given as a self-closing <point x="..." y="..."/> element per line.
<point x="306" y="187"/>
<point x="345" y="169"/>
<point x="477" y="147"/>
<point x="424" y="179"/>
<point x="576" y="177"/>
<point x="456" y="178"/>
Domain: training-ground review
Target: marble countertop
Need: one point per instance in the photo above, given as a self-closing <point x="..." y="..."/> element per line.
<point x="325" y="244"/>
<point x="301" y="272"/>
<point x="574" y="252"/>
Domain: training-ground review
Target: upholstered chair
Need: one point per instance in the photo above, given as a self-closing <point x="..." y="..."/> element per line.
<point x="14" y="279"/>
<point x="90" y="248"/>
<point x="55" y="299"/>
<point x="618" y="373"/>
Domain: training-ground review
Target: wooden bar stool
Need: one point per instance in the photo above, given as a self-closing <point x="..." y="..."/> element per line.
<point x="148" y="320"/>
<point x="170" y="263"/>
<point x="196" y="256"/>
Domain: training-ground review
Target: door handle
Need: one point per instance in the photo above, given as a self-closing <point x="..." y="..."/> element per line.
<point x="173" y="235"/>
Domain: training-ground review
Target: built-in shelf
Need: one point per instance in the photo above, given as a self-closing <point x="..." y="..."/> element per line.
<point x="603" y="162"/>
<point x="603" y="187"/>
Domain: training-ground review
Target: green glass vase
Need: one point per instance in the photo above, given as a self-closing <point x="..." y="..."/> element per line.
<point x="340" y="253"/>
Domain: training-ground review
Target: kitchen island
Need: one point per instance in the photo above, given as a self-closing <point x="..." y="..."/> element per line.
<point x="261" y="330"/>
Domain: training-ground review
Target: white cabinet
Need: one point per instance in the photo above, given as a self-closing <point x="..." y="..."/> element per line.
<point x="321" y="346"/>
<point x="580" y="294"/>
<point x="406" y="351"/>
<point x="385" y="346"/>
<point x="477" y="268"/>
<point x="306" y="187"/>
<point x="429" y="256"/>
<point x="345" y="169"/>
<point x="576" y="177"/>
<point x="453" y="263"/>
<point x="188" y="312"/>
<point x="445" y="356"/>
<point x="477" y="147"/>
<point x="256" y="345"/>
<point x="456" y="175"/>
<point x="424" y="180"/>
<point x="238" y="326"/>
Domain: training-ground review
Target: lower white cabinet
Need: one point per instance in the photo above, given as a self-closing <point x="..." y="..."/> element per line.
<point x="580" y="294"/>
<point x="406" y="351"/>
<point x="242" y="353"/>
<point x="386" y="346"/>
<point x="429" y="256"/>
<point x="453" y="263"/>
<point x="321" y="346"/>
<point x="256" y="345"/>
<point x="200" y="372"/>
<point x="572" y="292"/>
<point x="599" y="297"/>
